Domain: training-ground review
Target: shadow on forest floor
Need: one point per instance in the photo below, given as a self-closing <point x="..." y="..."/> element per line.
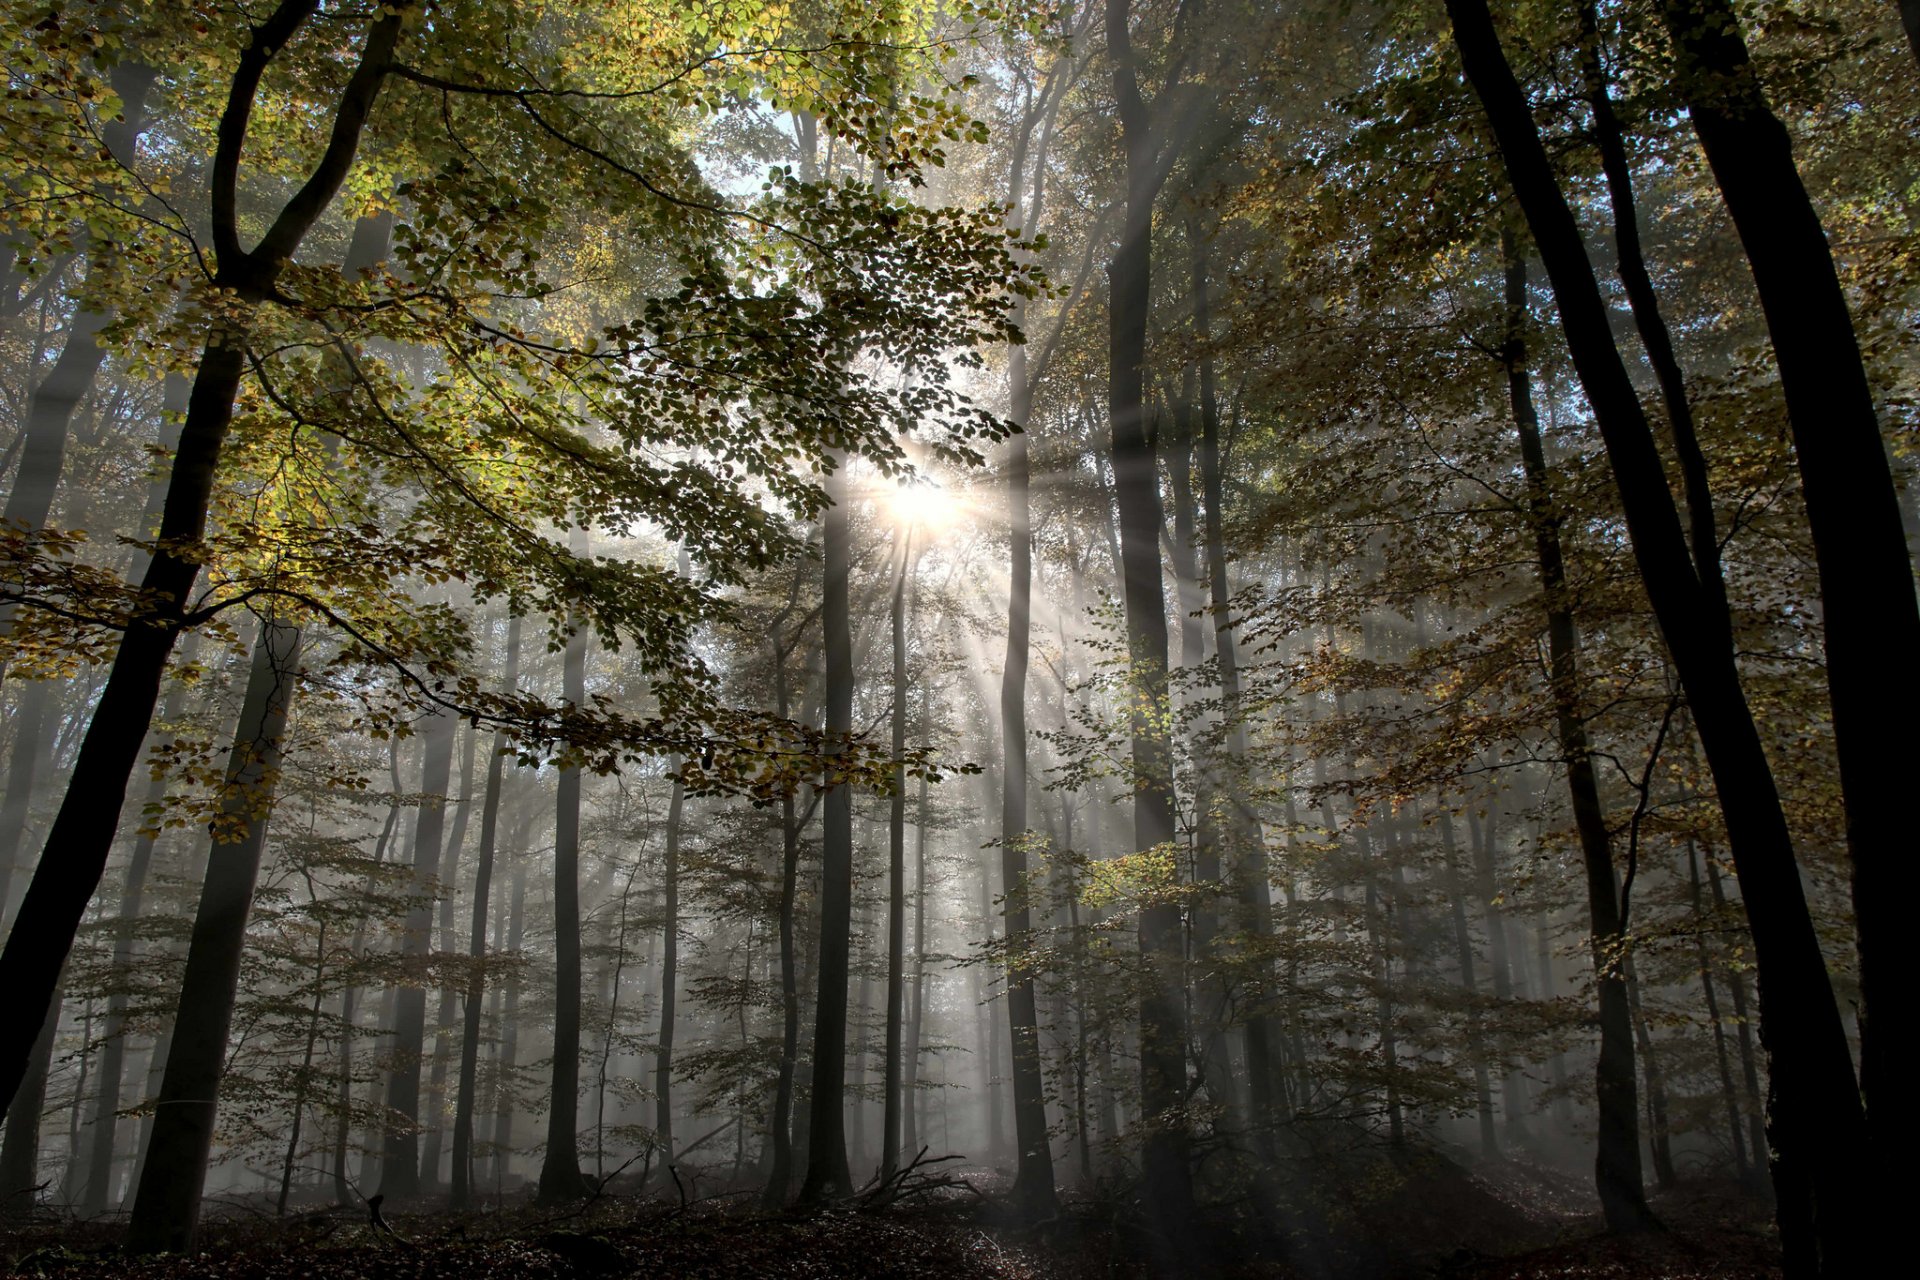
<point x="1391" y="1217"/>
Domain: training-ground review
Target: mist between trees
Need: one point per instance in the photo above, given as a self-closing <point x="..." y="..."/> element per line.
<point x="1215" y="618"/>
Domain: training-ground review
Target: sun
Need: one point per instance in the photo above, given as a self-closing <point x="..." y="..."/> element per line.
<point x="925" y="506"/>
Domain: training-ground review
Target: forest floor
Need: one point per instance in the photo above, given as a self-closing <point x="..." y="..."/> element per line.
<point x="1424" y="1217"/>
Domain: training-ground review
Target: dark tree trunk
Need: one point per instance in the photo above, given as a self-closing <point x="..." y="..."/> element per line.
<point x="20" y="1147"/>
<point x="508" y="1057"/>
<point x="896" y="875"/>
<point x="1755" y="1104"/>
<point x="669" y="973"/>
<point x="166" y="1208"/>
<point x="1617" y="1162"/>
<point x="1853" y="511"/>
<point x="434" y="1109"/>
<point x="780" y="1170"/>
<point x="917" y="991"/>
<point x="827" y="1174"/>
<point x="460" y="1178"/>
<point x="1486" y="871"/>
<point x="560" y="1177"/>
<point x="99" y="1185"/>
<point x="1818" y="1129"/>
<point x="1033" y="1188"/>
<point x="400" y="1150"/>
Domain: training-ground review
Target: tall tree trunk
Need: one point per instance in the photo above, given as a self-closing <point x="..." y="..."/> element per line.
<point x="1485" y="841"/>
<point x="1817" y="1125"/>
<point x="434" y="1110"/>
<point x="1868" y="607"/>
<point x="1617" y="1161"/>
<point x="780" y="1170"/>
<point x="1163" y="1033"/>
<point x="400" y="1147"/>
<point x="896" y="874"/>
<point x="1033" y="1187"/>
<point x="166" y="1208"/>
<point x="460" y="1179"/>
<point x="560" y="1177"/>
<point x="505" y="1106"/>
<point x="669" y="972"/>
<point x="827" y="1175"/>
<point x="81" y="837"/>
<point x="917" y="993"/>
<point x="1749" y="1061"/>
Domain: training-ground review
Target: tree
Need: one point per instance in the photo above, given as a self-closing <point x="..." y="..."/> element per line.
<point x="1819" y="1135"/>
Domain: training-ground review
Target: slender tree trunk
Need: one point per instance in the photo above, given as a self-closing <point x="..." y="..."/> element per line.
<point x="1033" y="1187"/>
<point x="560" y="1177"/>
<point x="505" y="1105"/>
<point x="669" y="972"/>
<point x="828" y="1177"/>
<point x="1246" y="845"/>
<point x="1755" y="1105"/>
<point x="20" y="1147"/>
<point x="1483" y="837"/>
<point x="910" y="1055"/>
<point x="400" y="1149"/>
<point x="460" y="1181"/>
<point x="1659" y="1128"/>
<point x="1617" y="1161"/>
<point x="166" y="1208"/>
<point x="434" y="1110"/>
<point x="780" y="1172"/>
<point x="896" y="875"/>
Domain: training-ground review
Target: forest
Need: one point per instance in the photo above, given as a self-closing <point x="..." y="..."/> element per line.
<point x="957" y="638"/>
